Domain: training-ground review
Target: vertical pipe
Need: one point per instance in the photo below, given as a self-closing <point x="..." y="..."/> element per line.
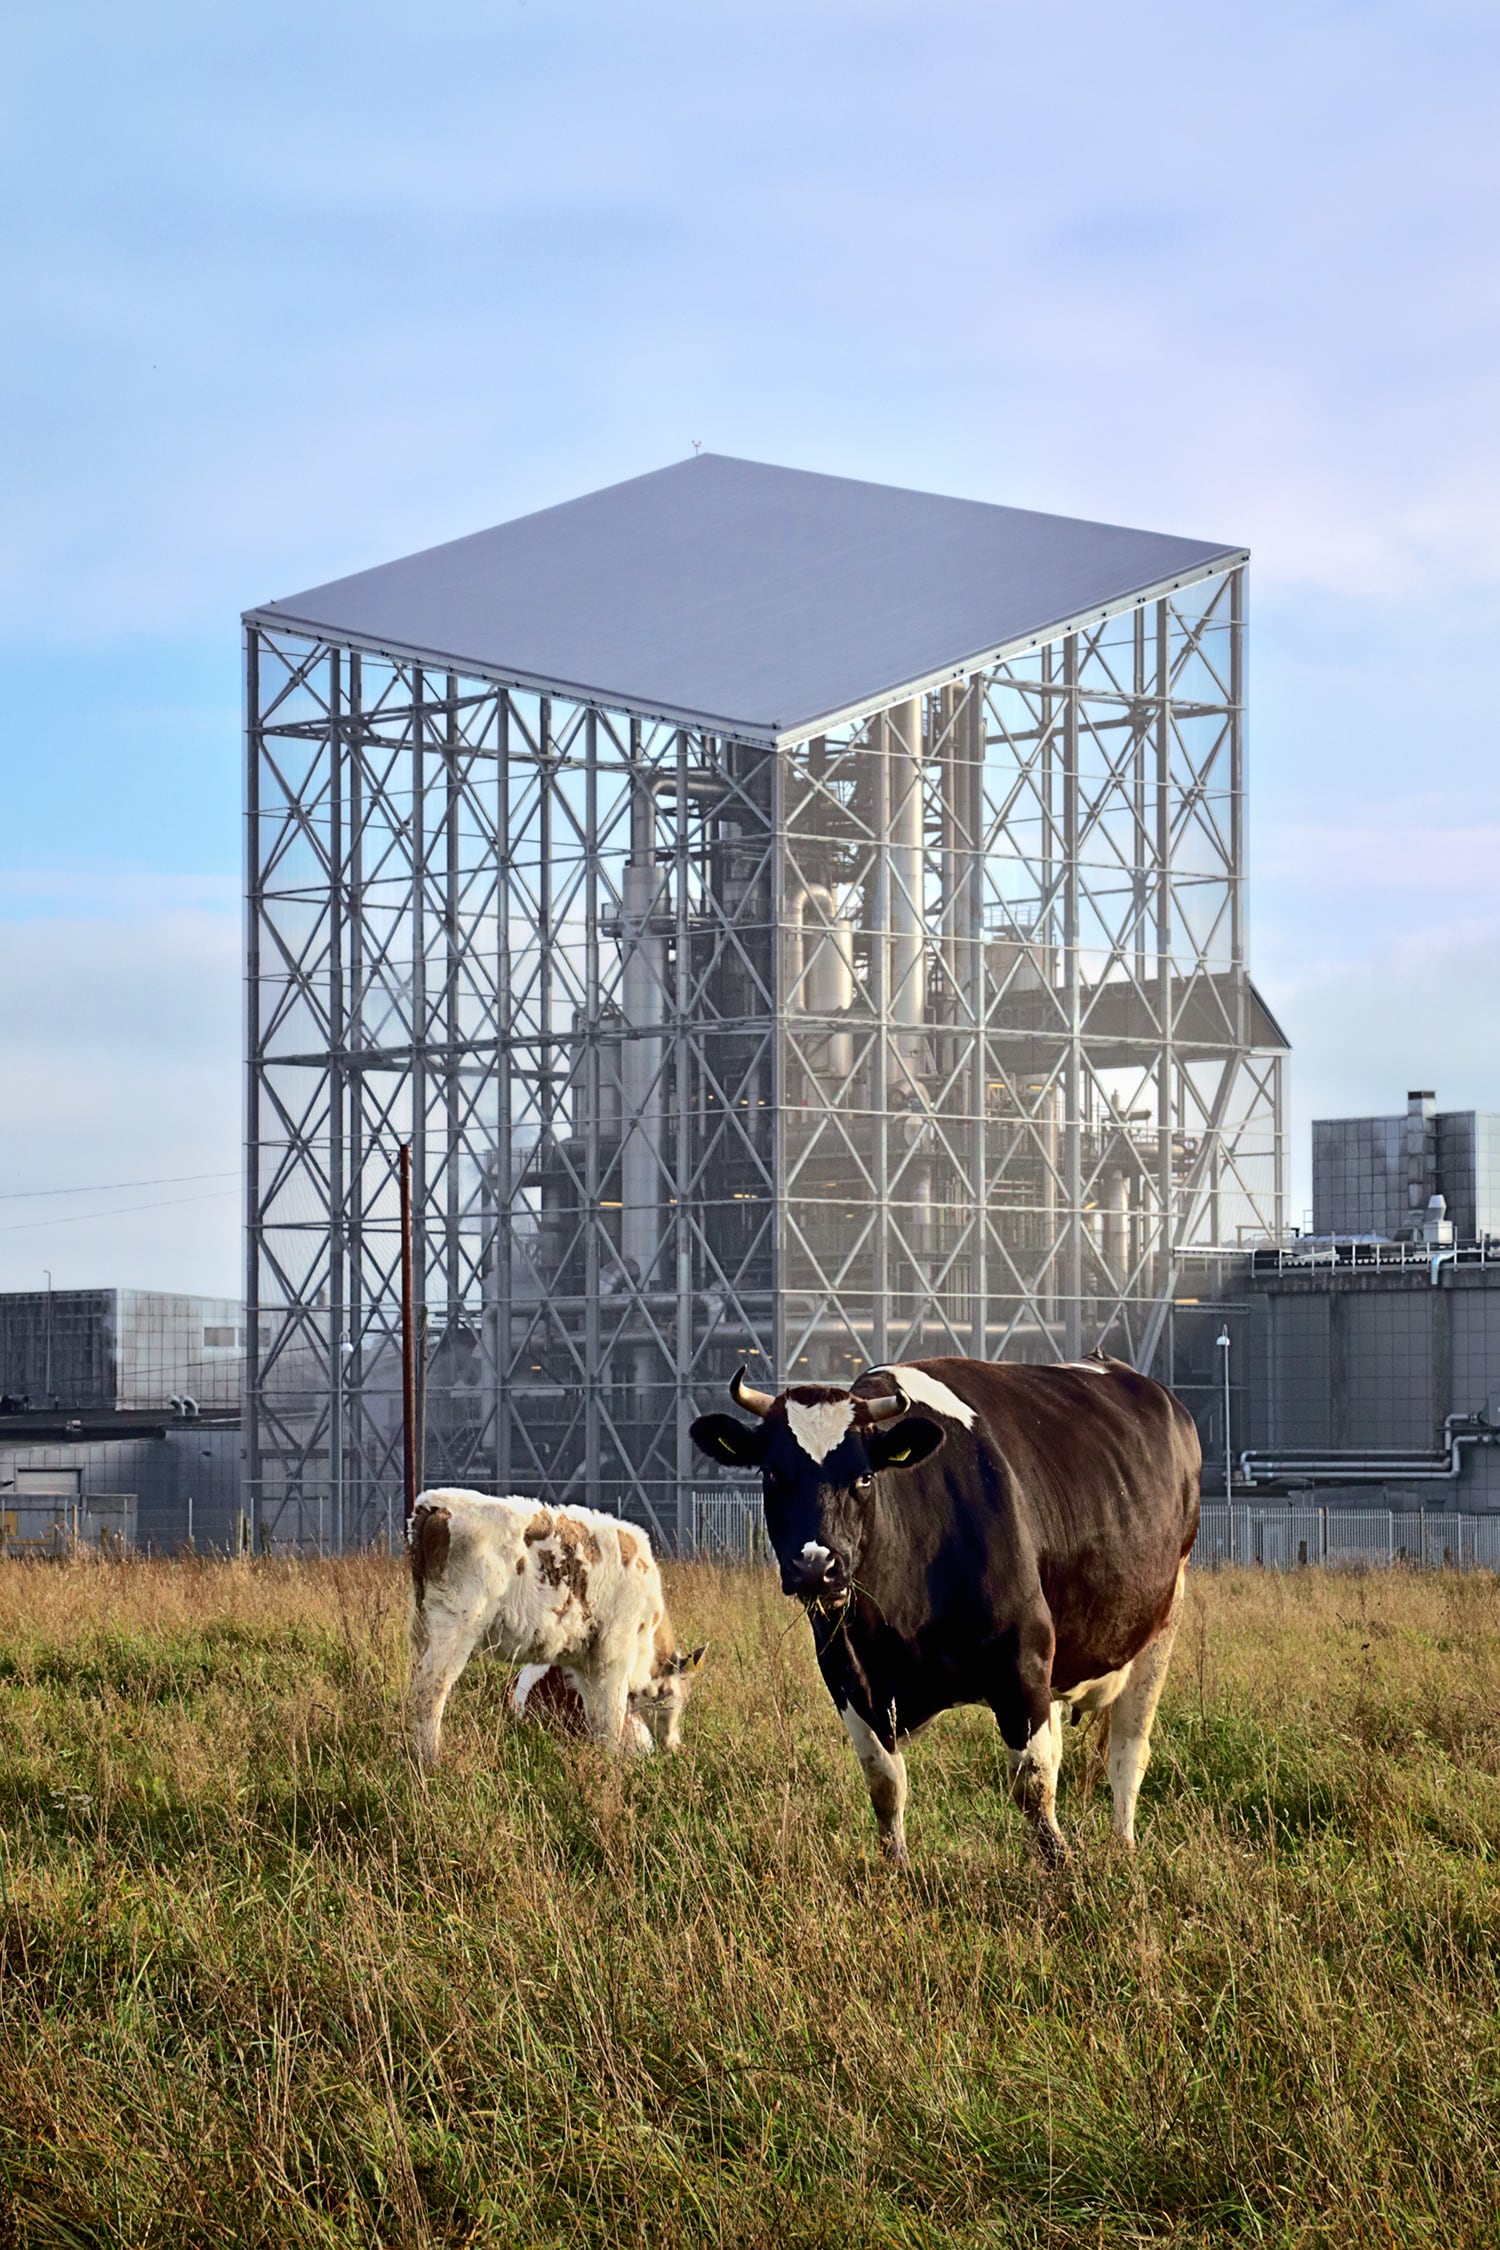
<point x="452" y="1029"/>
<point x="1237" y="799"/>
<point x="546" y="972"/>
<point x="951" y="749"/>
<point x="1165" y="1066"/>
<point x="408" y="1344"/>
<point x="254" y="906"/>
<point x="973" y="972"/>
<point x="880" y="998"/>
<point x="546" y="966"/>
<point x="337" y="1045"/>
<point x="908" y="994"/>
<point x="1141" y="833"/>
<point x="504" y="1102"/>
<point x="1047" y="934"/>
<point x="1073" y="1009"/>
<point x="419" y="1026"/>
<point x="778" y="1325"/>
<point x="643" y="1049"/>
<point x="355" y="1234"/>
<point x="683" y="1164"/>
<point x="1278" y="1146"/>
<point x="594" y="1119"/>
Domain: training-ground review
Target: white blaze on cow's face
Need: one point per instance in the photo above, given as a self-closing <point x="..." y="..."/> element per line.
<point x="815" y="1463"/>
<point x="820" y="1427"/>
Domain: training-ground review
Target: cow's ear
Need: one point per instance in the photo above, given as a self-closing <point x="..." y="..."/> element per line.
<point x="740" y="1444"/>
<point x="904" y="1443"/>
<point x="692" y="1661"/>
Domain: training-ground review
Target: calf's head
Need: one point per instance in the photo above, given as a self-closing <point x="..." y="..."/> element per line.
<point x="659" y="1705"/>
<point x="819" y="1451"/>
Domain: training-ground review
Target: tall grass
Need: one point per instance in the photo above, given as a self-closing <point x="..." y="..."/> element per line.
<point x="262" y="1984"/>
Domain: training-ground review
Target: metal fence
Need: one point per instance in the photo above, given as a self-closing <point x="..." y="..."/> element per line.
<point x="728" y="1527"/>
<point x="1290" y="1536"/>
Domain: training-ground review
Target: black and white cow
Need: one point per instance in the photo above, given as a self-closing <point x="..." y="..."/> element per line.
<point x="963" y="1532"/>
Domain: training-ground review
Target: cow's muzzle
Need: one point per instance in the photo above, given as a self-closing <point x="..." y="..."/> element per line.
<point x="815" y="1575"/>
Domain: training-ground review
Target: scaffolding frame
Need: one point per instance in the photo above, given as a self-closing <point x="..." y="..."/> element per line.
<point x="928" y="1032"/>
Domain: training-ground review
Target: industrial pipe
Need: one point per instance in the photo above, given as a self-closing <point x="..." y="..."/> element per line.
<point x="1369" y="1466"/>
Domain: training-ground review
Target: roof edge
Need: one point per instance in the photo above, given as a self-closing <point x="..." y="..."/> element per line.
<point x="761" y="732"/>
<point x="1001" y="652"/>
<point x="765" y="733"/>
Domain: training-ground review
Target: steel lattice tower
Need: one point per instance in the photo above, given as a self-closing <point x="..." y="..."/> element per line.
<point x="921" y="1025"/>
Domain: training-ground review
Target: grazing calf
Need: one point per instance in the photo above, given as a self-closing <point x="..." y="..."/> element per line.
<point x="544" y="1586"/>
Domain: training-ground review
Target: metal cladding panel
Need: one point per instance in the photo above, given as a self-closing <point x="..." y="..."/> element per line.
<point x="757" y="599"/>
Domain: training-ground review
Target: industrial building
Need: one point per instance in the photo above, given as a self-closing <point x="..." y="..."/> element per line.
<point x="1360" y="1363"/>
<point x="119" y="1420"/>
<point x="1384" y="1175"/>
<point x="790" y="920"/>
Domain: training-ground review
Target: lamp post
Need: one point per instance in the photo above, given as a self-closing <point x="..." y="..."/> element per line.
<point x="1222" y="1340"/>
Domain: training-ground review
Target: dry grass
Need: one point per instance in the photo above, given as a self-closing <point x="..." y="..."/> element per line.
<point x="262" y="1985"/>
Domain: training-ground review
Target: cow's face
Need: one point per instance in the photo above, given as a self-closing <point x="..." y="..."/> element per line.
<point x="660" y="1704"/>
<point x="819" y="1452"/>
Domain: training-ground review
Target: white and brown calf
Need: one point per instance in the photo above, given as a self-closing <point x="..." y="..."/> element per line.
<point x="544" y="1586"/>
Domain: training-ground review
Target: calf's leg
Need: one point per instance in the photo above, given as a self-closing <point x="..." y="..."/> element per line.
<point x="1130" y="1720"/>
<point x="885" y="1778"/>
<point x="442" y="1641"/>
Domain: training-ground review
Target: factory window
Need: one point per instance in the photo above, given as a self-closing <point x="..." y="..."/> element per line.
<point x="221" y="1339"/>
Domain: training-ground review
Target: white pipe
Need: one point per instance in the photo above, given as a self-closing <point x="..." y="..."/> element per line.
<point x="828" y="974"/>
<point x="643" y="1005"/>
<point x="1114" y="1223"/>
<point x="903" y="734"/>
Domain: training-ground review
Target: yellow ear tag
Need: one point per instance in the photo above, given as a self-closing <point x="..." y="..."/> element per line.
<point x="896" y="1459"/>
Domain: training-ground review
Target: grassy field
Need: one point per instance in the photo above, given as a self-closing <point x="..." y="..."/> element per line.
<point x="260" y="1984"/>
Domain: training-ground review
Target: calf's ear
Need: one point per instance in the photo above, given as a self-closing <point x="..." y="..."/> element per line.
<point x="724" y="1439"/>
<point x="692" y="1662"/>
<point x="901" y="1445"/>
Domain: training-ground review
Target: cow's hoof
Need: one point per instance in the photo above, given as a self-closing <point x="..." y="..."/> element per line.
<point x="1053" y="1849"/>
<point x="894" y="1853"/>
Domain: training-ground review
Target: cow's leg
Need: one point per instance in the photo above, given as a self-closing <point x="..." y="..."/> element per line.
<point x="1130" y="1720"/>
<point x="1031" y="1729"/>
<point x="442" y="1641"/>
<point x="885" y="1778"/>
<point x="1033" y="1780"/>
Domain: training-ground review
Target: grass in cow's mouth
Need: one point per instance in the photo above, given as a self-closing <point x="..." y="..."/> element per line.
<point x="260" y="1984"/>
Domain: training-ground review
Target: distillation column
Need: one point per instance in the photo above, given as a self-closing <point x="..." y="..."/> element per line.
<point x="643" y="1052"/>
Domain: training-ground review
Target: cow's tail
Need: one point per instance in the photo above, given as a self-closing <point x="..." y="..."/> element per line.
<point x="429" y="1548"/>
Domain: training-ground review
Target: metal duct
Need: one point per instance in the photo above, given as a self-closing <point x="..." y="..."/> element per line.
<point x="1114" y="1223"/>
<point x="643" y="1051"/>
<point x="908" y="987"/>
<point x="820" y="972"/>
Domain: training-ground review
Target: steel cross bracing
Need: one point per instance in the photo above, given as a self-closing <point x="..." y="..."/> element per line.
<point x="931" y="1034"/>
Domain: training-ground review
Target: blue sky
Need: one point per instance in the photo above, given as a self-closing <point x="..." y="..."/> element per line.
<point x="299" y="290"/>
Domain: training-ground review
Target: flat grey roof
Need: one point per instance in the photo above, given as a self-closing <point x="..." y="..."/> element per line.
<point x="751" y="599"/>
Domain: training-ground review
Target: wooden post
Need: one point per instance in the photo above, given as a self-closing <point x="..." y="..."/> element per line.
<point x="408" y="1345"/>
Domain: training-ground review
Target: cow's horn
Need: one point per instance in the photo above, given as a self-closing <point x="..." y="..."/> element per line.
<point x="749" y="1401"/>
<point x="886" y="1409"/>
